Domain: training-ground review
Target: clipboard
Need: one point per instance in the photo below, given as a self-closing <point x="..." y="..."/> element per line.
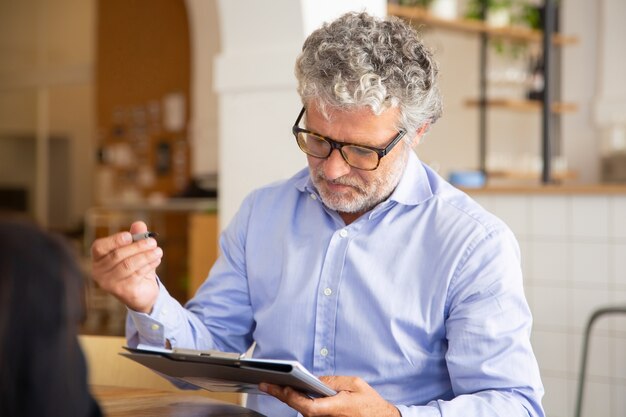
<point x="227" y="372"/>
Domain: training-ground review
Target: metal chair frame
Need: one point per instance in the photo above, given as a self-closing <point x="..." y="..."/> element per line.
<point x="609" y="310"/>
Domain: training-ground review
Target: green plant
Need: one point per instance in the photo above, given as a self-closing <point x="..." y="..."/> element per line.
<point x="522" y="13"/>
<point x="530" y="16"/>
<point x="419" y="3"/>
<point x="474" y="7"/>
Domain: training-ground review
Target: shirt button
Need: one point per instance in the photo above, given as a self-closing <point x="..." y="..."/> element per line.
<point x="328" y="291"/>
<point x="155" y="327"/>
<point x="343" y="233"/>
<point x="324" y="352"/>
<point x="313" y="196"/>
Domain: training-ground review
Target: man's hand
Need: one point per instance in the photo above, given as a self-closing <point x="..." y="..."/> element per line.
<point x="127" y="269"/>
<point x="355" y="398"/>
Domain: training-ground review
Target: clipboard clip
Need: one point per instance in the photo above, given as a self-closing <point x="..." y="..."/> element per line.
<point x="210" y="353"/>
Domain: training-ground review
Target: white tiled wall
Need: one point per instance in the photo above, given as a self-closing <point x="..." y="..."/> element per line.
<point x="574" y="261"/>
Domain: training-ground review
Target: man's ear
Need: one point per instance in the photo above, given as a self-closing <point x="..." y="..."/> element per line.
<point x="418" y="135"/>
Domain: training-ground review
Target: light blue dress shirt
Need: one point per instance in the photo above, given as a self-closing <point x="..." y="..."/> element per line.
<point x="421" y="297"/>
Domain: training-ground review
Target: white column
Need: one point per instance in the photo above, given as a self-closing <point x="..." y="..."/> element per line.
<point x="610" y="108"/>
<point x="254" y="77"/>
<point x="204" y="39"/>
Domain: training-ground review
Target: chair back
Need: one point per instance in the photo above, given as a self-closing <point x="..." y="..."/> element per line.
<point x="107" y="367"/>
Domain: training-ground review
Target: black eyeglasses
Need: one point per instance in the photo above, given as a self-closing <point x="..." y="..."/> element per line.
<point x="357" y="156"/>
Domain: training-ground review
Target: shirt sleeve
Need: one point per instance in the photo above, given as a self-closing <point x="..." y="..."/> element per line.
<point x="490" y="360"/>
<point x="219" y="316"/>
<point x="168" y="321"/>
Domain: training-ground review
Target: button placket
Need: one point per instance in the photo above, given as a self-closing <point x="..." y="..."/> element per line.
<point x="326" y="311"/>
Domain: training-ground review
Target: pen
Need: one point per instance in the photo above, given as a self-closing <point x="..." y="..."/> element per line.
<point x="145" y="235"/>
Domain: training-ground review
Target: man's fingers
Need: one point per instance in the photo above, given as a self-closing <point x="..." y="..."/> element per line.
<point x="289" y="396"/>
<point x="128" y="275"/>
<point x="354" y="396"/>
<point x="126" y="264"/>
<point x="148" y="270"/>
<point x="138" y="227"/>
<point x="343" y="383"/>
<point x="125" y="261"/>
<point x="103" y="246"/>
<point x="127" y="269"/>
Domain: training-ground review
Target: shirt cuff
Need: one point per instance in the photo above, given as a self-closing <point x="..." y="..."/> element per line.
<point x="151" y="327"/>
<point x="418" y="411"/>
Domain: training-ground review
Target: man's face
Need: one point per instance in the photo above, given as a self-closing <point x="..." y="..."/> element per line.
<point x="342" y="187"/>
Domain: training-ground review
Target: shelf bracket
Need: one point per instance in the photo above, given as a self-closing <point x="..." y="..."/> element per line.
<point x="549" y="16"/>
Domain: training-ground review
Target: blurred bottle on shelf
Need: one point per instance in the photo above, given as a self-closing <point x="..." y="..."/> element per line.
<point x="536" y="83"/>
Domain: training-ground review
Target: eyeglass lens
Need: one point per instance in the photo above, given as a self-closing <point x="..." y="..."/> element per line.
<point x="355" y="156"/>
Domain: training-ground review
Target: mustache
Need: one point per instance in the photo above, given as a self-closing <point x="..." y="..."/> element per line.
<point x="350" y="182"/>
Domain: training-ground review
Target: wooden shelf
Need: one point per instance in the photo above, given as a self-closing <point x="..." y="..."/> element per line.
<point x="552" y="189"/>
<point x="518" y="33"/>
<point x="524" y="105"/>
<point x="530" y="175"/>
<point x="421" y="17"/>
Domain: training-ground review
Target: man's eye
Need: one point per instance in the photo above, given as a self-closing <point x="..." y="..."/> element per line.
<point x="358" y="151"/>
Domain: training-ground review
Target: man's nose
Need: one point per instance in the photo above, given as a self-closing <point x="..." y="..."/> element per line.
<point x="335" y="166"/>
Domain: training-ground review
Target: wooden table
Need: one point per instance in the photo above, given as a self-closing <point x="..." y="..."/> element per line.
<point x="138" y="402"/>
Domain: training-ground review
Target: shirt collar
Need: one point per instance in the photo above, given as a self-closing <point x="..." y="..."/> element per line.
<point x="414" y="186"/>
<point x="303" y="182"/>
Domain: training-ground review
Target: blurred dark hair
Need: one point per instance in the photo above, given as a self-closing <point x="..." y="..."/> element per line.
<point x="42" y="368"/>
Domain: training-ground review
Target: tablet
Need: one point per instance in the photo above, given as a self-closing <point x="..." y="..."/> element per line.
<point x="221" y="371"/>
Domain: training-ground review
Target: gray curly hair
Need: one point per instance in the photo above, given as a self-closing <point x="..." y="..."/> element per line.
<point x="359" y="60"/>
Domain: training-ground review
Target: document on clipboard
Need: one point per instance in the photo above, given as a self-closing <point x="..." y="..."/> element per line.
<point x="223" y="371"/>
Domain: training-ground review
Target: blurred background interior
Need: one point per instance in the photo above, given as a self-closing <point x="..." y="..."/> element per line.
<point x="171" y="111"/>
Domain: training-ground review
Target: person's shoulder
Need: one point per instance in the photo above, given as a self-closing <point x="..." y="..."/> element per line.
<point x="283" y="188"/>
<point x="296" y="182"/>
<point x="458" y="206"/>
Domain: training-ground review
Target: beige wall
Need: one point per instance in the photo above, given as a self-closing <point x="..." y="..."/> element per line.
<point x="50" y="45"/>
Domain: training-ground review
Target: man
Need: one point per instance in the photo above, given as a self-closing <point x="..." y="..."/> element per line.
<point x="403" y="294"/>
